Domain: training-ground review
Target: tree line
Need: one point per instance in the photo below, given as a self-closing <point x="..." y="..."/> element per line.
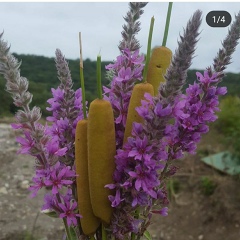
<point x="42" y="75"/>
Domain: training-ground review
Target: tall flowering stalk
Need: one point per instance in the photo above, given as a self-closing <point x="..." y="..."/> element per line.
<point x="182" y="60"/>
<point x="52" y="146"/>
<point x="132" y="27"/>
<point x="126" y="70"/>
<point x="66" y="109"/>
<point x="173" y="124"/>
<point x="146" y="160"/>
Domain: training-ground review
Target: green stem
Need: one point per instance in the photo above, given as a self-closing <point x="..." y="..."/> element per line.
<point x="167" y="24"/>
<point x="172" y="192"/>
<point x="104" y="233"/>
<point x="65" y="221"/>
<point x="148" y="49"/>
<point x="82" y="79"/>
<point x="133" y="236"/>
<point x="99" y="84"/>
<point x="67" y="229"/>
<point x="138" y="238"/>
<point x="137" y="213"/>
<point x="83" y="94"/>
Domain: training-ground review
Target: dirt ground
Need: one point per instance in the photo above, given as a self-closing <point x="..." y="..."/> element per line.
<point x="204" y="203"/>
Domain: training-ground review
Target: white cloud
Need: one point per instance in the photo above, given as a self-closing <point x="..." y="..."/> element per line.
<point x="40" y="28"/>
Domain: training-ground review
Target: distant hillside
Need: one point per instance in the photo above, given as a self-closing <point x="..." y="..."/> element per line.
<point x="42" y="75"/>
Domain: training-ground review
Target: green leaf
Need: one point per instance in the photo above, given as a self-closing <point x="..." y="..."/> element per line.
<point x="50" y="213"/>
<point x="73" y="233"/>
<point x="147" y="235"/>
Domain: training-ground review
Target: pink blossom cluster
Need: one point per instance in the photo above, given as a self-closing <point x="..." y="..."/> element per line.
<point x="144" y="162"/>
<point x="124" y="72"/>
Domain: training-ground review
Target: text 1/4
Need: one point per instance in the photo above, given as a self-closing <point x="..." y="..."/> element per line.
<point x="218" y="19"/>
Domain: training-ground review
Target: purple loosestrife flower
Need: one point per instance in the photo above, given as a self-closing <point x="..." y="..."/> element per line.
<point x="66" y="208"/>
<point x="140" y="198"/>
<point x="50" y="203"/>
<point x="55" y="177"/>
<point x="163" y="211"/>
<point x="60" y="175"/>
<point x="116" y="200"/>
<point x="141" y="149"/>
<point x="38" y="184"/>
<point x="161" y="112"/>
<point x="145" y="180"/>
<point x="125" y="72"/>
<point x="206" y="80"/>
<point x="203" y="113"/>
<point x="69" y="212"/>
<point x="54" y="150"/>
<point x="124" y="75"/>
<point x="26" y="142"/>
<point x="122" y="108"/>
<point x="55" y="106"/>
<point x="194" y="91"/>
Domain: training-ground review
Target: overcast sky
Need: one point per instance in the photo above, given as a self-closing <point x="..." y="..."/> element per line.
<point x="40" y="28"/>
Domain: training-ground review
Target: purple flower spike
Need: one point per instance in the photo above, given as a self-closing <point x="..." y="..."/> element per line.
<point x="124" y="73"/>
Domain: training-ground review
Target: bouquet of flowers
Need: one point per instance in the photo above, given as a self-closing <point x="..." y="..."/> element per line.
<point x="105" y="166"/>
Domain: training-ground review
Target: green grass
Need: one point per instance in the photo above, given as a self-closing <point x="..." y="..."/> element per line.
<point x="207" y="186"/>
